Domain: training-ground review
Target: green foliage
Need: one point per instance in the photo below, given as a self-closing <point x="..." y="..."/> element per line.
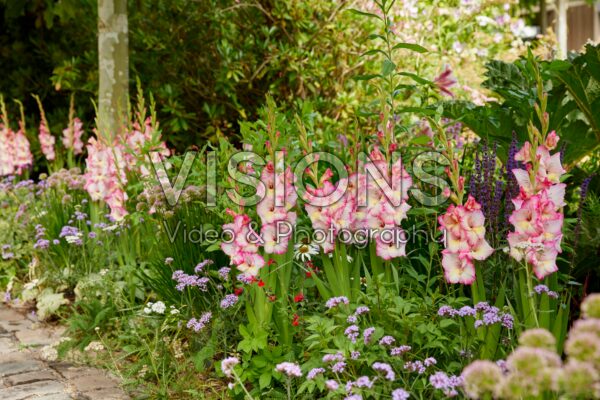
<point x="573" y="93"/>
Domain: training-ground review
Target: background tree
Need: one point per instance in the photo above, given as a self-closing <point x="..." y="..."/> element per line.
<point x="113" y="66"/>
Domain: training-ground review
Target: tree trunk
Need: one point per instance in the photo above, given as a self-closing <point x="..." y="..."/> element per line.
<point x="113" y="67"/>
<point x="543" y="17"/>
<point x="562" y="7"/>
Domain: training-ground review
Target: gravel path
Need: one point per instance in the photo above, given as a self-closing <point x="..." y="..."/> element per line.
<point x="24" y="374"/>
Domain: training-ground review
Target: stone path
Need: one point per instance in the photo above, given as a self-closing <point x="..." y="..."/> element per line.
<point x="25" y="375"/>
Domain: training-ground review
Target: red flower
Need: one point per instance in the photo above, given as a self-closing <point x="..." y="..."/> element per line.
<point x="296" y="320"/>
<point x="238" y="291"/>
<point x="299" y="297"/>
<point x="261" y="283"/>
<point x="271" y="262"/>
<point x="308" y="274"/>
<point x="272" y="298"/>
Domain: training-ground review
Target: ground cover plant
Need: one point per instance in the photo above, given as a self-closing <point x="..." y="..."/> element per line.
<point x="406" y="234"/>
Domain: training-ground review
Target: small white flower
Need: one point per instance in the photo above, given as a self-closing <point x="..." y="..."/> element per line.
<point x="174" y="311"/>
<point x="71" y="239"/>
<point x="48" y="353"/>
<point x="305" y="251"/>
<point x="31" y="285"/>
<point x="147" y="310"/>
<point x="103" y="272"/>
<point x="94" y="346"/>
<point x="159" y="307"/>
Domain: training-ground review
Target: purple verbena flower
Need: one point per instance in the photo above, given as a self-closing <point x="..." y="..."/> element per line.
<point x="387" y="341"/>
<point x="367" y="334"/>
<point x="336" y="301"/>
<point x="229" y="301"/>
<point x="385" y="368"/>
<point x="314" y="372"/>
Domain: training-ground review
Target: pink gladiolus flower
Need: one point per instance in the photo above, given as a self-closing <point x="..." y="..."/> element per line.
<point x="72" y="136"/>
<point x="367" y="205"/>
<point x="22" y="152"/>
<point x="552" y="140"/>
<point x="105" y="177"/>
<point x="445" y="81"/>
<point x="15" y="154"/>
<point x="47" y="141"/>
<point x="465" y="241"/>
<point x="537" y="218"/>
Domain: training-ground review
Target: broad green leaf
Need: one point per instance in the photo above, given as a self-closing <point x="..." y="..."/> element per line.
<point x="410" y="46"/>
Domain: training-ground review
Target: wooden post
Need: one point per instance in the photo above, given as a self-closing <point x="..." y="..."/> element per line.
<point x="562" y="7"/>
<point x="113" y="67"/>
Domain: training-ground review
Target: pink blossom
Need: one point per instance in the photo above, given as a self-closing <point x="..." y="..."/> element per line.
<point x="374" y="201"/>
<point x="445" y="81"/>
<point x="72" y="136"/>
<point x="47" y="141"/>
<point x="537" y="218"/>
<point x="465" y="241"/>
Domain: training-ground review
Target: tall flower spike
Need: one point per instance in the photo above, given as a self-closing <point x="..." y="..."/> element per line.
<point x="47" y="141"/>
<point x="537" y="217"/>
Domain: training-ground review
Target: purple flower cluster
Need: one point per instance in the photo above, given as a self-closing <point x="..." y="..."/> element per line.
<point x="400" y="394"/>
<point x="224" y="273"/>
<point x="68" y="231"/>
<point x="336" y="301"/>
<point x="201" y="265"/>
<point x="488" y="315"/>
<point x="448" y="384"/>
<point x="541" y="289"/>
<point x="40" y="234"/>
<point x="360" y="310"/>
<point x="386" y="369"/>
<point x="312" y="374"/>
<point x="483" y="185"/>
<point x="229" y="301"/>
<point x="328" y="358"/>
<point x="363" y="382"/>
<point x="398" y="351"/>
<point x="352" y="333"/>
<point x="367" y="334"/>
<point x="338" y="367"/>
<point x="290" y="369"/>
<point x="184" y="280"/>
<point x="415" y="366"/>
<point x="6" y="253"/>
<point x="199" y="324"/>
<point x="387" y="341"/>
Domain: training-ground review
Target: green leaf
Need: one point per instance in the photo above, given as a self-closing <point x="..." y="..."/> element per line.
<point x="387" y="67"/>
<point x="416" y="78"/>
<point x="373" y="51"/>
<point x="367" y="77"/>
<point x="265" y="380"/>
<point x="364" y="13"/>
<point x="410" y="46"/>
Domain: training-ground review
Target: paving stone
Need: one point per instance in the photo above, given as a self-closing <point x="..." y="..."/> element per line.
<point x="32" y="390"/>
<point x="24" y="377"/>
<point x="7" y="345"/>
<point x="69" y="371"/>
<point x="8" y="314"/>
<point x="54" y="396"/>
<point x="19" y="367"/>
<point x="15" y="326"/>
<point x="30" y="377"/>
<point x="35" y="337"/>
<point x="105" y="394"/>
<point x="88" y="383"/>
